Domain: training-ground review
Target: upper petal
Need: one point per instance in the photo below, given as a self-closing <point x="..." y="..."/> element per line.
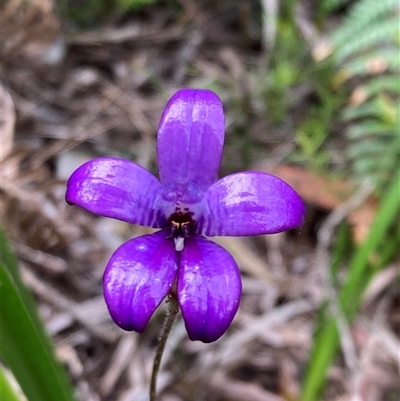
<point x="251" y="203"/>
<point x="191" y="138"/>
<point x="209" y="289"/>
<point x="137" y="278"/>
<point x="116" y="188"/>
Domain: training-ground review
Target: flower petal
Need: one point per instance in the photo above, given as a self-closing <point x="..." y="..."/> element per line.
<point x="116" y="188"/>
<point x="251" y="203"/>
<point x="209" y="289"/>
<point x="191" y="138"/>
<point x="138" y="277"/>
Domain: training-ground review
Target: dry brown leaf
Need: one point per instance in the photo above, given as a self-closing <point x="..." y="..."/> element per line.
<point x="328" y="193"/>
<point x="28" y="28"/>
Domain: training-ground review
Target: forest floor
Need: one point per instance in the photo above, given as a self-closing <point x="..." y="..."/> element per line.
<point x="71" y="95"/>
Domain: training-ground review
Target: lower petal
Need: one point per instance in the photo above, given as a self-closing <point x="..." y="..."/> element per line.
<point x="209" y="288"/>
<point x="251" y="203"/>
<point x="138" y="277"/>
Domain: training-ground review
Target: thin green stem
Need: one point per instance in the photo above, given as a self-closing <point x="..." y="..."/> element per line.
<point x="173" y="310"/>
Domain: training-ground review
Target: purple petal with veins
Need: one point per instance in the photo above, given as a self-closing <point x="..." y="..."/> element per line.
<point x="191" y="138"/>
<point x="209" y="289"/>
<point x="138" y="277"/>
<point x="116" y="188"/>
<point x="251" y="203"/>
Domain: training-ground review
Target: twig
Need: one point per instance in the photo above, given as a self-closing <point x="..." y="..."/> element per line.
<point x="256" y="328"/>
<point x="366" y="357"/>
<point x="270" y="10"/>
<point x="240" y="391"/>
<point x="59" y="301"/>
<point x="44" y="261"/>
<point x="187" y="54"/>
<point x="124" y="34"/>
<point x="120" y="360"/>
<point x="246" y="258"/>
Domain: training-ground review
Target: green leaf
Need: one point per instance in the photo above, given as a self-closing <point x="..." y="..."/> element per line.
<point x="7" y="256"/>
<point x="24" y="346"/>
<point x="7" y="392"/>
<point x="386" y="215"/>
<point x="9" y="261"/>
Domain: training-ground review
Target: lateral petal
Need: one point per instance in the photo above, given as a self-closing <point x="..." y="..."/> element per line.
<point x="251" y="203"/>
<point x="209" y="288"/>
<point x="138" y="277"/>
<point x="191" y="138"/>
<point x="116" y="188"/>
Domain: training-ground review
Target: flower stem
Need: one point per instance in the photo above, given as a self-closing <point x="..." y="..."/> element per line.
<point x="173" y="310"/>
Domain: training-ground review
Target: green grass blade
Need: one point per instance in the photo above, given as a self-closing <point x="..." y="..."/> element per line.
<point x="24" y="346"/>
<point x="326" y="340"/>
<point x="7" y="392"/>
<point x="7" y="256"/>
<point x="386" y="215"/>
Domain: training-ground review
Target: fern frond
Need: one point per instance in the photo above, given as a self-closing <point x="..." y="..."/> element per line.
<point x="363" y="111"/>
<point x="368" y="64"/>
<point x="375" y="167"/>
<point x="364" y="15"/>
<point x="368" y="149"/>
<point x="374" y="149"/>
<point x="381" y="107"/>
<point x="385" y="83"/>
<point x="366" y="47"/>
<point x="368" y="128"/>
<point x="382" y="32"/>
<point x="364" y="166"/>
<point x="375" y="159"/>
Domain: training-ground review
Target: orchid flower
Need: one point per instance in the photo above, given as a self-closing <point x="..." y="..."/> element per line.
<point x="187" y="203"/>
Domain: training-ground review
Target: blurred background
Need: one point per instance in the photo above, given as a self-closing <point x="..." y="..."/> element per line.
<point x="310" y="91"/>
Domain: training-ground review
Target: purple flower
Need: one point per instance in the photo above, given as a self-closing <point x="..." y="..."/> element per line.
<point x="187" y="204"/>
